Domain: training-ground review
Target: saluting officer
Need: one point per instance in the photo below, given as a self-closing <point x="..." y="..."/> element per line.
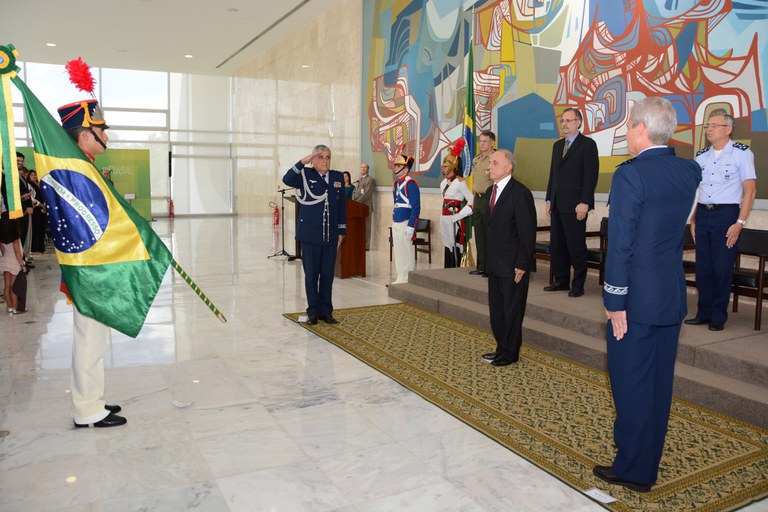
<point x="321" y="227"/>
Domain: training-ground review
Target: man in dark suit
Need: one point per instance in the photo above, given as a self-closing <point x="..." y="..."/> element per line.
<point x="570" y="195"/>
<point x="645" y="293"/>
<point x="509" y="244"/>
<point x="321" y="227"/>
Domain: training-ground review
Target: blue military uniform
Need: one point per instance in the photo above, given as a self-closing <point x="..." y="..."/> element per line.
<point x="322" y="218"/>
<point x="651" y="197"/>
<point x="720" y="195"/>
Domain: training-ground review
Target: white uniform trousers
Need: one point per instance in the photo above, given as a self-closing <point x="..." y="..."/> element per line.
<point x="403" y="249"/>
<point x="88" y="347"/>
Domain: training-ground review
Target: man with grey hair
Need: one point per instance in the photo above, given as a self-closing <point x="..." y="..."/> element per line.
<point x="321" y="227"/>
<point x="645" y="291"/>
<point x="726" y="194"/>
<point x="509" y="244"/>
<point x="363" y="193"/>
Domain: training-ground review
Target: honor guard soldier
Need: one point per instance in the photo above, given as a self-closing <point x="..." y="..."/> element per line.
<point x="457" y="204"/>
<point x="404" y="217"/>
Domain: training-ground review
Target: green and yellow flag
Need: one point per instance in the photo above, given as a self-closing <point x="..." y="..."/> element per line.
<point x="10" y="175"/>
<point x="111" y="260"/>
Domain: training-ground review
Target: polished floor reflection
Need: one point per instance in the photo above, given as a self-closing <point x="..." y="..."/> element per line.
<point x="254" y="415"/>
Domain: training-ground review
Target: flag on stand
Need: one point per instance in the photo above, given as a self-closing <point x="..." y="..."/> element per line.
<point x="469" y="137"/>
<point x="111" y="259"/>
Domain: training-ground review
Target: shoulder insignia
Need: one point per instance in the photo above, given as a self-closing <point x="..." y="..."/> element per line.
<point x="740" y="146"/>
<point x="626" y="162"/>
<point x="703" y="150"/>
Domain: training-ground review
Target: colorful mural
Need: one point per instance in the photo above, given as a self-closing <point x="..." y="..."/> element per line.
<point x="533" y="58"/>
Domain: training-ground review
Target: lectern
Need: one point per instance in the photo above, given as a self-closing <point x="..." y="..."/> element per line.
<point x="351" y="258"/>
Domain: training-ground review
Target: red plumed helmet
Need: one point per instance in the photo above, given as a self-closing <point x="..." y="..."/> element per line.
<point x="80" y="75"/>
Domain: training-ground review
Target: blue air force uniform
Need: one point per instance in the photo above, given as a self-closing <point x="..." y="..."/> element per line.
<point x="720" y="195"/>
<point x="322" y="218"/>
<point x="650" y="199"/>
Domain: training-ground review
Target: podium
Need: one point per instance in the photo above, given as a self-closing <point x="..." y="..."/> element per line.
<point x="351" y="258"/>
<point x="296" y="207"/>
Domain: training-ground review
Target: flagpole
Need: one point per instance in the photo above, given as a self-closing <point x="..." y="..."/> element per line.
<point x="469" y="135"/>
<point x="199" y="292"/>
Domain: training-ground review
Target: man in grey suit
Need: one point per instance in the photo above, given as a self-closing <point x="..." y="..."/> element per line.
<point x="363" y="193"/>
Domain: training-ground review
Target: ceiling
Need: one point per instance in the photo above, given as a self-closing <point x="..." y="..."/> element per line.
<point x="155" y="35"/>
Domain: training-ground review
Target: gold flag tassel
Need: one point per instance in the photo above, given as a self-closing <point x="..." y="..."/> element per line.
<point x="199" y="292"/>
<point x="467" y="260"/>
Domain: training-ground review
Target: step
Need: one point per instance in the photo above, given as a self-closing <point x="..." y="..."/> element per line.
<point x="728" y="376"/>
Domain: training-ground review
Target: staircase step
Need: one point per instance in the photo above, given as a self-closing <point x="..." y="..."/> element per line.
<point x="729" y="376"/>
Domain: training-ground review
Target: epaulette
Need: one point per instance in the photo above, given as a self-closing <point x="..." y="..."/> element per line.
<point x="626" y="162"/>
<point x="703" y="150"/>
<point x="740" y="146"/>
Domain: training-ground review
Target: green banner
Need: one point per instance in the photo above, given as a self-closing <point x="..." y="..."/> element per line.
<point x="128" y="170"/>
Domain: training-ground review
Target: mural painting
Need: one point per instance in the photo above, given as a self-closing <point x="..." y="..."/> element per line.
<point x="534" y="58"/>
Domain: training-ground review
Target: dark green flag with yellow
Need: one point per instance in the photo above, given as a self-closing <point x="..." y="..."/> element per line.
<point x="111" y="260"/>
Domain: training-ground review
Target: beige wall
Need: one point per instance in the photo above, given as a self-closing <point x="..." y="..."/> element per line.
<point x="282" y="110"/>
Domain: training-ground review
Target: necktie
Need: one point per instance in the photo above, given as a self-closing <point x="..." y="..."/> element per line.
<point x="566" y="146"/>
<point x="493" y="197"/>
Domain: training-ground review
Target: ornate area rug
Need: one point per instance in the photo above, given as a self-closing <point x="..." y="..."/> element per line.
<point x="556" y="413"/>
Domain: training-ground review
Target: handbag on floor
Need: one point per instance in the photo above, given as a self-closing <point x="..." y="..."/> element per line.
<point x="20" y="289"/>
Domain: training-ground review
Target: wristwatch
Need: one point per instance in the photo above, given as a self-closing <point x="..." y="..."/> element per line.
<point x="742" y="222"/>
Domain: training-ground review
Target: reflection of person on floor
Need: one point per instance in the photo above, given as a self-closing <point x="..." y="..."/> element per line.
<point x="404" y="217"/>
<point x="645" y="292"/>
<point x="509" y="243"/>
<point x="321" y="228"/>
<point x="453" y="228"/>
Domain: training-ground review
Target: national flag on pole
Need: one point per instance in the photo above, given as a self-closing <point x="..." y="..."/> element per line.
<point x="111" y="259"/>
<point x="469" y="130"/>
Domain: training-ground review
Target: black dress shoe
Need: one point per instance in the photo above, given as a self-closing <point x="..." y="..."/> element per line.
<point x="477" y="272"/>
<point x="112" y="420"/>
<point x="114" y="409"/>
<point x="312" y="320"/>
<point x="716" y="327"/>
<point x="503" y="361"/>
<point x="490" y="356"/>
<point x="329" y="319"/>
<point x="576" y="293"/>
<point x="605" y="473"/>
<point x="696" y="321"/>
<point x="556" y="288"/>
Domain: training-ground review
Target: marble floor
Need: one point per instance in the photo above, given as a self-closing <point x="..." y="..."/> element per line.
<point x="254" y="415"/>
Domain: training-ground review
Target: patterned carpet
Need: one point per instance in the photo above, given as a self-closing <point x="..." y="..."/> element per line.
<point x="556" y="413"/>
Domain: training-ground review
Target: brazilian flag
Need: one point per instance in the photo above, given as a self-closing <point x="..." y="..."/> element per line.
<point x="111" y="260"/>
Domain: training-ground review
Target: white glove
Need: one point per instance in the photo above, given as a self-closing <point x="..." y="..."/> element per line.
<point x="455" y="218"/>
<point x="409" y="233"/>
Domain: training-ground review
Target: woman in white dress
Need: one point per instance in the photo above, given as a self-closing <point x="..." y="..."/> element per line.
<point x="457" y="205"/>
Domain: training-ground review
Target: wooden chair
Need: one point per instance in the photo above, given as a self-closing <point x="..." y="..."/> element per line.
<point x="541" y="251"/>
<point x="747" y="281"/>
<point x="689" y="266"/>
<point x="422" y="241"/>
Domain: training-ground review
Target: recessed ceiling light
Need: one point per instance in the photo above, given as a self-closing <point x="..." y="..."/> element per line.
<point x="305" y="66"/>
<point x="188" y="56"/>
<point x="50" y="44"/>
